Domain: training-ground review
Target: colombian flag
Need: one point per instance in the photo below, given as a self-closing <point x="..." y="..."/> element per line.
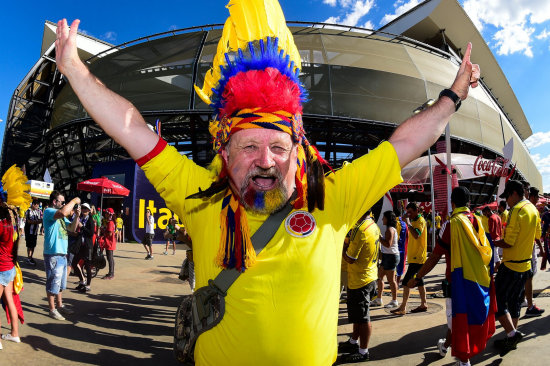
<point x="473" y="296"/>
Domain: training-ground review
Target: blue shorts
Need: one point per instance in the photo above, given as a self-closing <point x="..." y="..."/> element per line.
<point x="56" y="273"/>
<point x="7" y="276"/>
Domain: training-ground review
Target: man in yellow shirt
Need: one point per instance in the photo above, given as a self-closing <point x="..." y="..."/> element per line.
<point x="416" y="256"/>
<point x="362" y="259"/>
<point x="262" y="158"/>
<point x="520" y="234"/>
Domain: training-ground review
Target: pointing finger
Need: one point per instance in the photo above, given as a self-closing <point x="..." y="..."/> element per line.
<point x="468" y="52"/>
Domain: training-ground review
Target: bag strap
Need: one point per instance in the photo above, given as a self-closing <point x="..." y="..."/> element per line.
<point x="261" y="237"/>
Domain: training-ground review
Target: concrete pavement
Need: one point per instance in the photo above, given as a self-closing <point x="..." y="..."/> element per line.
<point x="129" y="320"/>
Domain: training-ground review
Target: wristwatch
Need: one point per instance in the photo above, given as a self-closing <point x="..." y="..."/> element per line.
<point x="452" y="96"/>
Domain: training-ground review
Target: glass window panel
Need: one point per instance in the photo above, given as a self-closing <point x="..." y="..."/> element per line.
<point x="375" y="95"/>
<point x="369" y="54"/>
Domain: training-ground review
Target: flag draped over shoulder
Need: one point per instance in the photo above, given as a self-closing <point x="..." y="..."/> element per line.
<point x="473" y="296"/>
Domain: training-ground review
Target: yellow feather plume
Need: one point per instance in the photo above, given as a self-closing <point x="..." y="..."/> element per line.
<point x="249" y="20"/>
<point x="14" y="182"/>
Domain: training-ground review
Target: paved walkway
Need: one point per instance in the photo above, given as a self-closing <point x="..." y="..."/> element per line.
<point x="129" y="320"/>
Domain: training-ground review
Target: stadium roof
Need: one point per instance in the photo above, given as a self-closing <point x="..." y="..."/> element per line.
<point x="444" y="22"/>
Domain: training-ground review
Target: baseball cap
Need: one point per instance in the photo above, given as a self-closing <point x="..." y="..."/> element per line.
<point x="85" y="205"/>
<point x="110" y="210"/>
<point x="511" y="187"/>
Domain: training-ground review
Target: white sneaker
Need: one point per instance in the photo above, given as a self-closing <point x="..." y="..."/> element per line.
<point x="9" y="337"/>
<point x="55" y="314"/>
<point x="165" y="253"/>
<point x="392" y="304"/>
<point x="64" y="310"/>
<point x="174" y="252"/>
<point x="441" y="347"/>
<point x="377" y="302"/>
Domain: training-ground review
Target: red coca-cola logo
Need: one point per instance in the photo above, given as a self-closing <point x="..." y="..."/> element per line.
<point x="497" y="167"/>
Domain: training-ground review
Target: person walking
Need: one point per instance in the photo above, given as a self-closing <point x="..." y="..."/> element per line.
<point x="33" y="219"/>
<point x="519" y="237"/>
<point x="170" y="235"/>
<point x="109" y="242"/>
<point x="85" y="245"/>
<point x="56" y="226"/>
<point x="149" y="234"/>
<point x="416" y="256"/>
<point x="362" y="258"/>
<point x="390" y="258"/>
<point x="467" y="257"/>
<point x="119" y="227"/>
<point x="8" y="260"/>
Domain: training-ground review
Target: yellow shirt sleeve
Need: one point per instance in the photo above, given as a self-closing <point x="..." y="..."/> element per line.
<point x="538" y="232"/>
<point x="175" y="177"/>
<point x="357" y="186"/>
<point x="355" y="245"/>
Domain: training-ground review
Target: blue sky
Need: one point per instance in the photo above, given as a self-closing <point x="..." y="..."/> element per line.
<point x="518" y="32"/>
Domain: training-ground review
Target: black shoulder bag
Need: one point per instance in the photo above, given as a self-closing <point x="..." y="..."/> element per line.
<point x="204" y="309"/>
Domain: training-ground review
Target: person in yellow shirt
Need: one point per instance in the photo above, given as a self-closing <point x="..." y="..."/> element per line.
<point x="521" y="231"/>
<point x="263" y="161"/>
<point x="362" y="259"/>
<point x="416" y="256"/>
<point x="119" y="225"/>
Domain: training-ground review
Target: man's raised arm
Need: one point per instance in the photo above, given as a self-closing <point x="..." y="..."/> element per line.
<point x="114" y="114"/>
<point x="418" y="133"/>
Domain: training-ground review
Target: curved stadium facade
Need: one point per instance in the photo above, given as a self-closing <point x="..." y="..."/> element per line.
<point x="361" y="84"/>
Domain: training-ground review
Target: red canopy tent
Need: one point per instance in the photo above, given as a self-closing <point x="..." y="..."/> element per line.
<point x="104" y="186"/>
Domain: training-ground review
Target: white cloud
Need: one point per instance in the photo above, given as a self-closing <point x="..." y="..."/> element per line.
<point x="543" y="165"/>
<point x="543" y="35"/>
<point x="514" y="21"/>
<point x="401" y="7"/>
<point x="538" y="139"/>
<point x="354" y="11"/>
<point x="109" y="36"/>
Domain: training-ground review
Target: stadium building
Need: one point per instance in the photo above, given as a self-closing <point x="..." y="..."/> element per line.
<point x="361" y="83"/>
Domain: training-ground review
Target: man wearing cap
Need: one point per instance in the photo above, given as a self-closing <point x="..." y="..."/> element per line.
<point x="33" y="219"/>
<point x="84" y="241"/>
<point x="519" y="236"/>
<point x="263" y="161"/>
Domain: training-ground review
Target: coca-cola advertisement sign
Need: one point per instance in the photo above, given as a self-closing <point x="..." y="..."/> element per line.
<point x="497" y="167"/>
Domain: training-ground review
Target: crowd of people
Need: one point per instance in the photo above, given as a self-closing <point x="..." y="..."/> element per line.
<point x="505" y="251"/>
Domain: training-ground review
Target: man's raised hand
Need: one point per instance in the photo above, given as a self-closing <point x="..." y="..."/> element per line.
<point x="468" y="75"/>
<point x="66" y="54"/>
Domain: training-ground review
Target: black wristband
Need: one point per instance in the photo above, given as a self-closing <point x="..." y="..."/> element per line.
<point x="452" y="96"/>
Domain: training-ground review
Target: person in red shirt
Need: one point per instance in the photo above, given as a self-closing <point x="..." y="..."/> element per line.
<point x="494" y="225"/>
<point x="8" y="258"/>
<point x="109" y="242"/>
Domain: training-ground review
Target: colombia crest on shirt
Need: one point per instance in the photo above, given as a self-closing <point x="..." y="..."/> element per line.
<point x="300" y="224"/>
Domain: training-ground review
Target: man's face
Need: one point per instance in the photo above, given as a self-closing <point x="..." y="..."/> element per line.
<point x="85" y="211"/>
<point x="533" y="199"/>
<point x="59" y="202"/>
<point x="262" y="165"/>
<point x="35" y="206"/>
<point x="412" y="213"/>
<point x="513" y="198"/>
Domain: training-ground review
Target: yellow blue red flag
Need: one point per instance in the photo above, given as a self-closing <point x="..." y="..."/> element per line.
<point x="473" y="296"/>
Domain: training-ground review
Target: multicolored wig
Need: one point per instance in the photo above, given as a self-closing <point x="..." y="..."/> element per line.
<point x="254" y="83"/>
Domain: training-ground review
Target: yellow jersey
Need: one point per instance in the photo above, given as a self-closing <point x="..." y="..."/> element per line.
<point x="363" y="248"/>
<point x="438" y="222"/>
<point x="521" y="231"/>
<point x="284" y="309"/>
<point x="119" y="223"/>
<point x="416" y="249"/>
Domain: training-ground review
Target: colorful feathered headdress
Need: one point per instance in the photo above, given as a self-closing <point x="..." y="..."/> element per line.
<point x="14" y="189"/>
<point x="254" y="83"/>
